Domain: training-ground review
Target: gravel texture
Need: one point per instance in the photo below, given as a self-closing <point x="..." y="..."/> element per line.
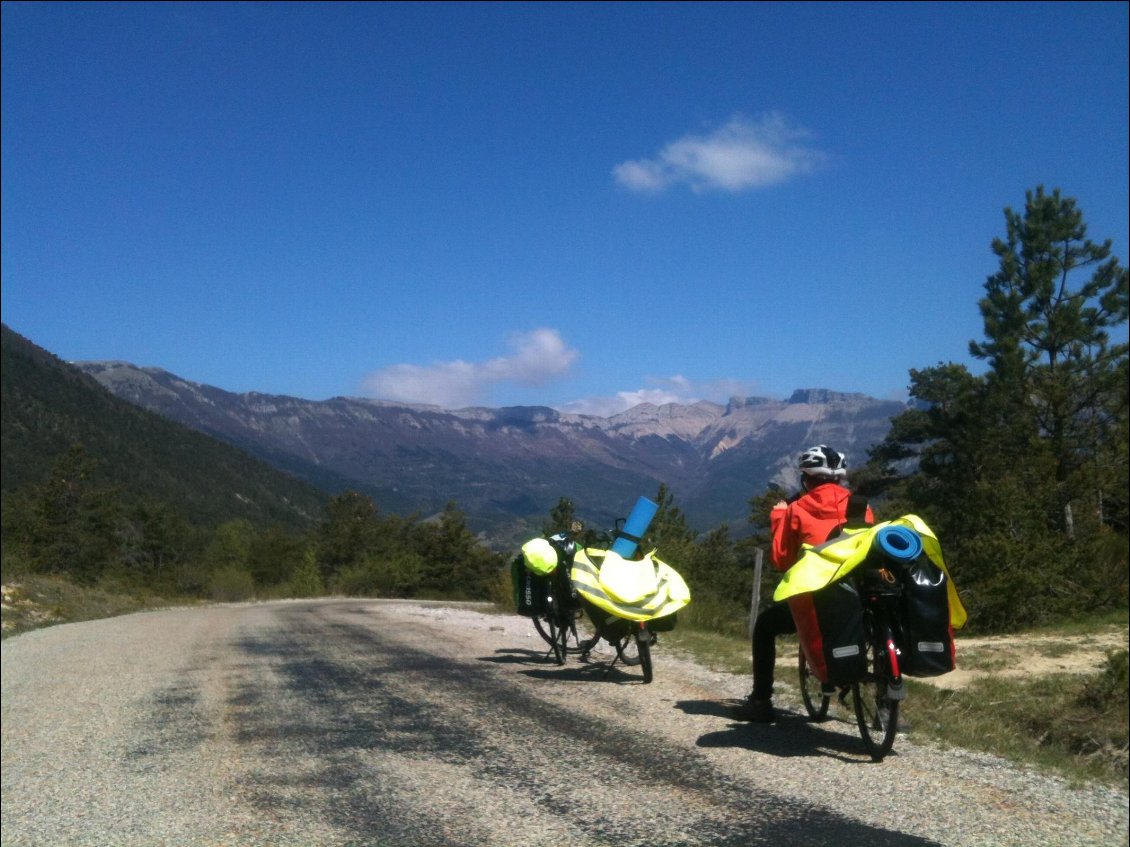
<point x="347" y="722"/>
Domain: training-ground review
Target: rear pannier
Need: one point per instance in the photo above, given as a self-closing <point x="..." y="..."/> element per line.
<point x="829" y="625"/>
<point x="928" y="635"/>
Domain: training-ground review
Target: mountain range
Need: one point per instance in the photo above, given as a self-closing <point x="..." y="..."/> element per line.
<point x="505" y="468"/>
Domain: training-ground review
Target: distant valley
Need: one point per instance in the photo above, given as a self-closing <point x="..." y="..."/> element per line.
<point x="506" y="468"/>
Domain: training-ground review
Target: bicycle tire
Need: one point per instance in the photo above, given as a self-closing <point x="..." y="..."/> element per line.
<point x="543" y="624"/>
<point x="627" y="649"/>
<point x="876" y="714"/>
<point x="816" y="702"/>
<point x="575" y="644"/>
<point x="634" y="650"/>
<point x="643" y="647"/>
<point x="560" y="638"/>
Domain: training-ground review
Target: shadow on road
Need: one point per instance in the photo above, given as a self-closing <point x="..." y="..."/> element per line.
<point x="512" y="656"/>
<point x="791" y="736"/>
<point x="592" y="670"/>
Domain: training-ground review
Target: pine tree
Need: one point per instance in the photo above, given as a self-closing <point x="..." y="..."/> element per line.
<point x="1003" y="461"/>
<point x="1048" y="342"/>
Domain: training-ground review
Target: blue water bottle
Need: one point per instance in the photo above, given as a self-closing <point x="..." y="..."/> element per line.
<point x="628" y="539"/>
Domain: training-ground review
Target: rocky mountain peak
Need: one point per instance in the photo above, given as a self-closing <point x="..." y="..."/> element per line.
<point x="509" y="466"/>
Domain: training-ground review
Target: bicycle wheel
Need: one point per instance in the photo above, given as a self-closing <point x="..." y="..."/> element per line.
<point x="875" y="712"/>
<point x="811" y="691"/>
<point x="627" y="649"/>
<point x="578" y="641"/>
<point x="560" y="640"/>
<point x="546" y="628"/>
<point x="634" y="650"/>
<point x="643" y="648"/>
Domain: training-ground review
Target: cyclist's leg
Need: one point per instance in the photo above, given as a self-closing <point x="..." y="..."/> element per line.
<point x="775" y="620"/>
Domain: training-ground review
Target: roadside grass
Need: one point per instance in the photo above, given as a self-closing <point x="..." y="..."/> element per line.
<point x="1074" y="725"/>
<point x="1071" y="724"/>
<point x="34" y="601"/>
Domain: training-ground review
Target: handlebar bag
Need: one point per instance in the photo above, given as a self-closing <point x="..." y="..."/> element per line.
<point x="540" y="556"/>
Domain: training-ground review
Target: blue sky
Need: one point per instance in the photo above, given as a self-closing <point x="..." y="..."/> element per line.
<point x="582" y="205"/>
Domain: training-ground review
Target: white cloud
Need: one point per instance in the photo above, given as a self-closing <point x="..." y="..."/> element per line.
<point x="742" y="155"/>
<point x="537" y="357"/>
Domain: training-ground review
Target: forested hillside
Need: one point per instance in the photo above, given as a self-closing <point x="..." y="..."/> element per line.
<point x="49" y="408"/>
<point x="97" y="490"/>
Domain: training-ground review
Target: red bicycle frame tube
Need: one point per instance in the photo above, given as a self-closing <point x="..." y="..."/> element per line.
<point x="892" y="656"/>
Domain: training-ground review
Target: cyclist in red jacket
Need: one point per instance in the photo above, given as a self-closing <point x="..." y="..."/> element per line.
<point x="809" y="518"/>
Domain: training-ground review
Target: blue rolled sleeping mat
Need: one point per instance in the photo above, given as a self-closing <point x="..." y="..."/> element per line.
<point x="900" y="543"/>
<point x="628" y="539"/>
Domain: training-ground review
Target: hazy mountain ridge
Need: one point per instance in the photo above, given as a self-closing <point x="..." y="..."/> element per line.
<point x="507" y="467"/>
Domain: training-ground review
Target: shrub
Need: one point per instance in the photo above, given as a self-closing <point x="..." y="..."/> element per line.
<point x="1111" y="688"/>
<point x="231" y="584"/>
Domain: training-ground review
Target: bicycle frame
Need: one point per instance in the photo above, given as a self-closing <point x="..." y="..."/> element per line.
<point x="877" y="697"/>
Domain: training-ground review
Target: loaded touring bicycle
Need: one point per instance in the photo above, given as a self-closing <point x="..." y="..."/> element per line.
<point x="626" y="600"/>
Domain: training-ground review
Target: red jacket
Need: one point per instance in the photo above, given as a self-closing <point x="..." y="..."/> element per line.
<point x="808" y="520"/>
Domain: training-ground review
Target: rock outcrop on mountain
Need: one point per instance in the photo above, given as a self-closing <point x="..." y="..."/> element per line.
<point x="507" y="467"/>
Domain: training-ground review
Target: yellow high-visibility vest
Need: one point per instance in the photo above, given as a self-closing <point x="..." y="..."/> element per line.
<point x="822" y="564"/>
<point x="634" y="589"/>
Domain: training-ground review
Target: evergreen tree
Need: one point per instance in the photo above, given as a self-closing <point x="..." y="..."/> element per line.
<point x="1002" y="461"/>
<point x="1048" y="342"/>
<point x="456" y="564"/>
<point x="562" y="518"/>
<point x="69" y="524"/>
<point x="274" y="555"/>
<point x="349" y="533"/>
<point x="669" y="530"/>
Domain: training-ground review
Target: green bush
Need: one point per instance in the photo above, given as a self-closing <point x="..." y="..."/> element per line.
<point x="15" y="564"/>
<point x="500" y="590"/>
<point x="1111" y="688"/>
<point x="231" y="584"/>
<point x="711" y="613"/>
<point x="395" y="575"/>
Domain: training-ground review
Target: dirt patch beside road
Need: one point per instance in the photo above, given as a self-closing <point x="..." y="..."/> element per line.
<point x="1025" y="656"/>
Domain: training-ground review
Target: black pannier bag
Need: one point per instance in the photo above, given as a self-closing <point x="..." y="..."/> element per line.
<point x="666" y="623"/>
<point x="530" y="589"/>
<point x="927" y="635"/>
<point x="829" y="625"/>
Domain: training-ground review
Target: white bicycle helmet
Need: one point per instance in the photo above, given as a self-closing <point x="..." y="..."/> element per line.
<point x="823" y="462"/>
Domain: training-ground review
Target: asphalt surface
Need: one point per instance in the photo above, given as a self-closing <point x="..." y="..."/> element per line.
<point x="352" y="722"/>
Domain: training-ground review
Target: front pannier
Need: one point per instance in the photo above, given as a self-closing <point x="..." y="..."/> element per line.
<point x="530" y="589"/>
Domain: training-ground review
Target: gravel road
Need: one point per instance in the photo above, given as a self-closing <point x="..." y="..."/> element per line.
<point x="347" y="722"/>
